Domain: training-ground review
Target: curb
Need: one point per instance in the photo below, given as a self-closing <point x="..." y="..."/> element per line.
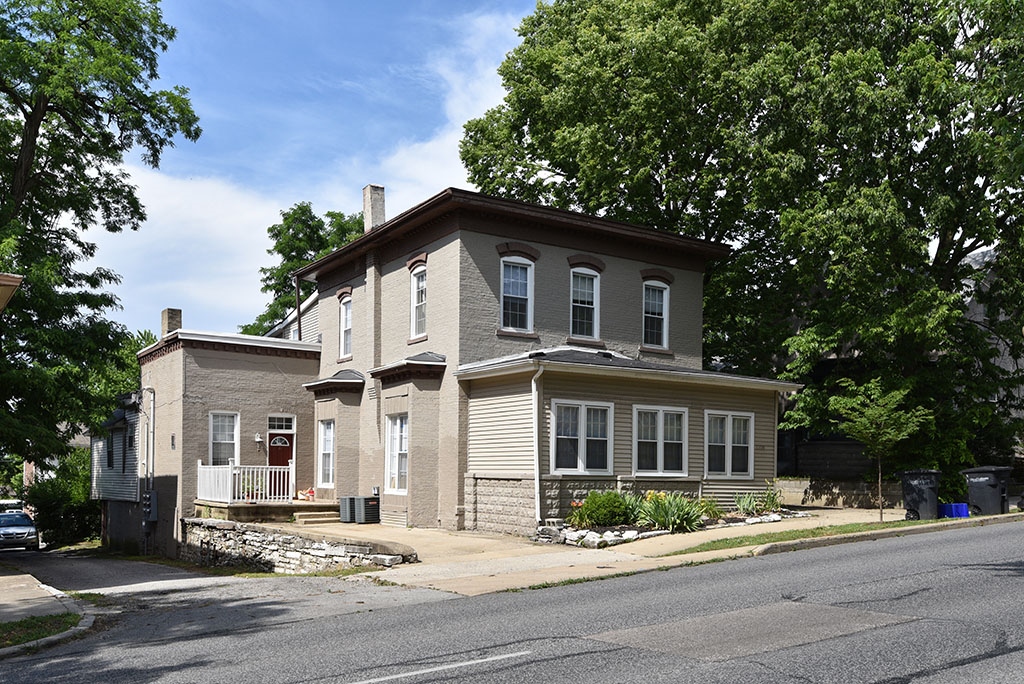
<point x="72" y="606"/>
<point x="952" y="524"/>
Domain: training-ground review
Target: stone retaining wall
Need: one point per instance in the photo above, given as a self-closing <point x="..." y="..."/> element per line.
<point x="833" y="494"/>
<point x="226" y="543"/>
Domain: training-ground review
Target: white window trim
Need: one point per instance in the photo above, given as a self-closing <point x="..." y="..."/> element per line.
<point x="342" y="352"/>
<point x="281" y="415"/>
<point x="413" y="305"/>
<point x="235" y="415"/>
<point x="597" y="301"/>
<point x="661" y="411"/>
<point x="581" y="458"/>
<point x="391" y="456"/>
<point x="728" y="415"/>
<point x="518" y="261"/>
<point x="657" y="284"/>
<point x="320" y="451"/>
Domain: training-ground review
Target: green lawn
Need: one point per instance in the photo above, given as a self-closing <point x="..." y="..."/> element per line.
<point x="790" y="535"/>
<point x="30" y="629"/>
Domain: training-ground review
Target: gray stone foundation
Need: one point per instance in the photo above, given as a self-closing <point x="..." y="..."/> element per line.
<point x="212" y="542"/>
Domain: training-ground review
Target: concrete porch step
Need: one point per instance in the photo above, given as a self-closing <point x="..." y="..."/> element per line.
<point x="317" y="517"/>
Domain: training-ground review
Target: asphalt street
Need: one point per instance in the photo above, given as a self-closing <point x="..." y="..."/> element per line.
<point x="939" y="607"/>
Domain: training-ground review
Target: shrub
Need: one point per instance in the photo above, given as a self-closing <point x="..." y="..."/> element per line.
<point x="674" y="512"/>
<point x="746" y="503"/>
<point x="710" y="508"/>
<point x="64" y="513"/>
<point x="600" y="509"/>
<point x="760" y="503"/>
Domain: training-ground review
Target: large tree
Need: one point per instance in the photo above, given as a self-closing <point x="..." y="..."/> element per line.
<point x="856" y="153"/>
<point x="76" y="96"/>
<point x="299" y="238"/>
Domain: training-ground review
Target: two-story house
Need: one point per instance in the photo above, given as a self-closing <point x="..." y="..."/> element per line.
<point x="484" y="362"/>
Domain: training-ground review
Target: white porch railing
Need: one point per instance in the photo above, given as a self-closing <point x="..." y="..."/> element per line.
<point x="237" y="484"/>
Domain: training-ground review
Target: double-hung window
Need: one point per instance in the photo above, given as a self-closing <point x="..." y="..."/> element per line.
<point x="729" y="444"/>
<point x="582" y="436"/>
<point x="398" y="454"/>
<point x="325" y="455"/>
<point x="659" y="440"/>
<point x="345" y="327"/>
<point x="223" y="438"/>
<point x="517" y="294"/>
<point x="418" y="298"/>
<point x="585" y="294"/>
<point x="655" y="324"/>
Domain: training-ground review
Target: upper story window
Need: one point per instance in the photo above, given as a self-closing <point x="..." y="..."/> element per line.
<point x="223" y="438"/>
<point x="582" y="436"/>
<point x="418" y="298"/>
<point x="585" y="308"/>
<point x="517" y="294"/>
<point x="655" y="324"/>
<point x="345" y="326"/>
<point x="728" y="444"/>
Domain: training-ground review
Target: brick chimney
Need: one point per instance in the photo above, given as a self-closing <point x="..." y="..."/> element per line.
<point x="373" y="207"/>
<point x="170" y="320"/>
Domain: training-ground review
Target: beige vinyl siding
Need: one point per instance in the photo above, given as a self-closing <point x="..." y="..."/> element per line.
<point x="500" y="435"/>
<point x="624" y="393"/>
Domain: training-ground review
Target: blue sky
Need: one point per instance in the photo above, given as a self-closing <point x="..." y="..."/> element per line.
<point x="307" y="100"/>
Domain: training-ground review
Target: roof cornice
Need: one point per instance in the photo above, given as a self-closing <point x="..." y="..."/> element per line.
<point x="455" y="199"/>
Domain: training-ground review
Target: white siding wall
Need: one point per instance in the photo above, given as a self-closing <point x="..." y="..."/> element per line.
<point x="120" y="483"/>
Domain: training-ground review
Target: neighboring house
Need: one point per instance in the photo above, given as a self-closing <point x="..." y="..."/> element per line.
<point x="216" y="398"/>
<point x="485" y="362"/>
<point x="117" y="474"/>
<point x="302" y="324"/>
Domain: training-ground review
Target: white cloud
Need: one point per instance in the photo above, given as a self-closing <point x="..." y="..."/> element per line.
<point x="200" y="250"/>
<point x="205" y="239"/>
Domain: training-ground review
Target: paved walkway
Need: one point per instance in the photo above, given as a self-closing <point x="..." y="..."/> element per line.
<point x="472" y="563"/>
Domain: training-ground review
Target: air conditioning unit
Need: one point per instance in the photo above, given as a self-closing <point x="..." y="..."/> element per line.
<point x="348" y="508"/>
<point x="367" y="509"/>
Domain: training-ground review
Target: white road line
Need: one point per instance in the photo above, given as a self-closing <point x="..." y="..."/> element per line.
<point x="443" y="667"/>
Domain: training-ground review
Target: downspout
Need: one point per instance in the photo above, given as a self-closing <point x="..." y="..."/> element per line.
<point x="298" y="308"/>
<point x="151" y="437"/>
<point x="536" y="401"/>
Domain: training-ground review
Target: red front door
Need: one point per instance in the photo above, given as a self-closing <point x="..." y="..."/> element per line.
<point x="280" y="451"/>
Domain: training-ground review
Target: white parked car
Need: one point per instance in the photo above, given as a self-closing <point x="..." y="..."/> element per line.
<point x="18" y="531"/>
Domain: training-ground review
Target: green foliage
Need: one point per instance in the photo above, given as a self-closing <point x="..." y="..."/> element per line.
<point x="865" y="158"/>
<point x="600" y="509"/>
<point x="671" y="511"/>
<point x="301" y="237"/>
<point x="872" y="416"/>
<point x="710" y="508"/>
<point x="75" y="98"/>
<point x="746" y="503"/>
<point x="759" y="503"/>
<point x="64" y="513"/>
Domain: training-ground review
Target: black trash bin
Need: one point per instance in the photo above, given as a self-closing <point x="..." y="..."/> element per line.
<point x="921" y="494"/>
<point x="986" y="489"/>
